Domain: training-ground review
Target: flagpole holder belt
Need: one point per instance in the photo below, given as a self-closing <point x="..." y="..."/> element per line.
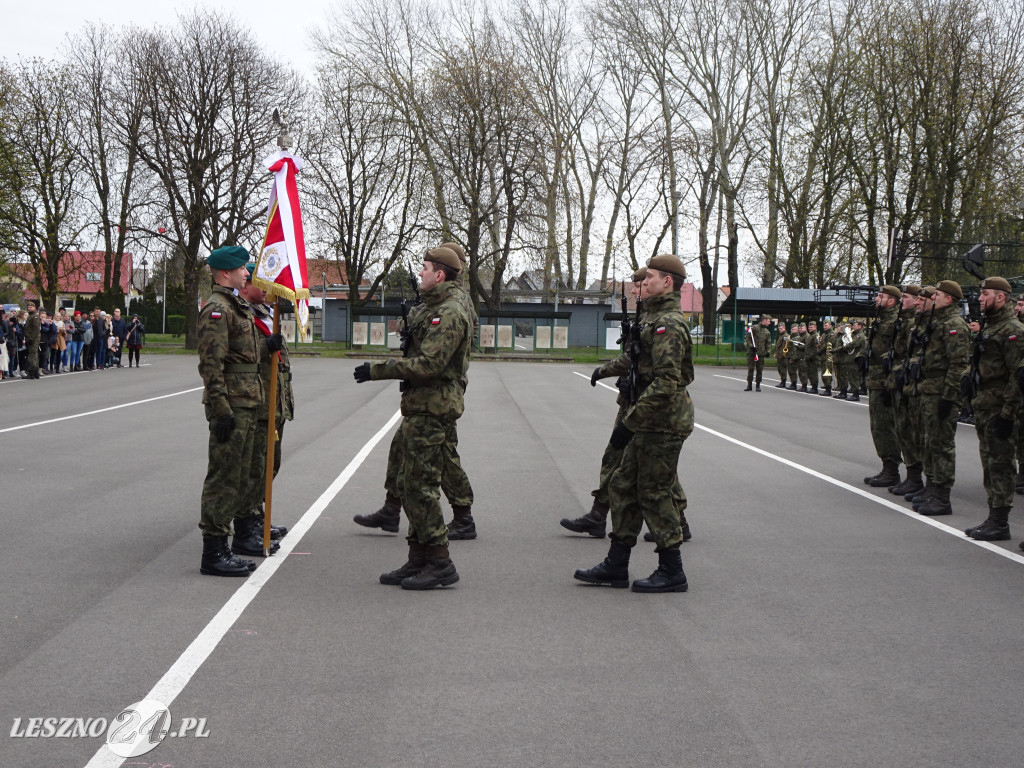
<point x="241" y="368"/>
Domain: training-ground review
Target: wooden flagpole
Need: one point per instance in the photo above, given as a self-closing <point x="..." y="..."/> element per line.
<point x="271" y="433"/>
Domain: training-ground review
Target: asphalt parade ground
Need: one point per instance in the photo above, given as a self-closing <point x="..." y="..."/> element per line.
<point x="826" y="624"/>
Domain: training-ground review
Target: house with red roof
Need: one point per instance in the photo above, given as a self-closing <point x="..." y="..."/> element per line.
<point x="79" y="273"/>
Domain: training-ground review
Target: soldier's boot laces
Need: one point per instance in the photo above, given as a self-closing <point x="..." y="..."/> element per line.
<point x="888" y="477"/>
<point x="417" y="562"/>
<point x="386" y="518"/>
<point x="613" y="571"/>
<point x="592" y="523"/>
<point x="439" y="571"/>
<point x="463" y="527"/>
<point x="218" y="560"/>
<point x="937" y="505"/>
<point x="248" y="539"/>
<point x="995" y="528"/>
<point x="668" y="577"/>
<point x="911" y="485"/>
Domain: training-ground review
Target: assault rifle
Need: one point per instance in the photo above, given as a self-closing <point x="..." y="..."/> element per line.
<point x="916" y="370"/>
<point x="971" y="383"/>
<point x="405" y="332"/>
<point x="631" y="339"/>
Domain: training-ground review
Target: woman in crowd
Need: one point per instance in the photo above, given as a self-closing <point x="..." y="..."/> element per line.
<point x="136" y="332"/>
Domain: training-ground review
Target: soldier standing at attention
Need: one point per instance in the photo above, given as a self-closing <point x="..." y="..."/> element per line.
<point x="796" y="354"/>
<point x="432" y="400"/>
<point x="826" y="360"/>
<point x="811" y="351"/>
<point x="782" y="349"/>
<point x="652" y="434"/>
<point x="881" y="409"/>
<point x="896" y="382"/>
<point x="1019" y="483"/>
<point x="998" y="355"/>
<point x="943" y="364"/>
<point x="33" y="331"/>
<point x="856" y="354"/>
<point x="758" y="342"/>
<point x="230" y="349"/>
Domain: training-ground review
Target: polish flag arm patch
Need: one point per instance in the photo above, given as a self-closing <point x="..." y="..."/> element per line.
<point x="952" y="332"/>
<point x="660" y="329"/>
<point x="215" y="315"/>
<point x="1012" y="338"/>
<point x="435" y="321"/>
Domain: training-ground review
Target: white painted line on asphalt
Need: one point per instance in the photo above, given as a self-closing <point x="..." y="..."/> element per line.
<point x="177" y="677"/>
<point x="855" y="490"/>
<point x="101" y="410"/>
<point x="787" y="389"/>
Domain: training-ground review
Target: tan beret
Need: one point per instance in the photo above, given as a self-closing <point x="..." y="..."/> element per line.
<point x="997" y="284"/>
<point x="927" y="291"/>
<point x="666" y="262"/>
<point x="892" y="290"/>
<point x="458" y="251"/>
<point x="912" y="289"/>
<point x="639" y="275"/>
<point x="952" y="287"/>
<point x="442" y="255"/>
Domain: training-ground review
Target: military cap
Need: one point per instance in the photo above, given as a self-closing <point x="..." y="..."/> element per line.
<point x="639" y="275"/>
<point x="250" y="268"/>
<point x="858" y="321"/>
<point x="445" y="256"/>
<point x="927" y="291"/>
<point x="30" y="303"/>
<point x="997" y="284"/>
<point x="228" y="257"/>
<point x="952" y="287"/>
<point x="892" y="290"/>
<point x="666" y="262"/>
<point x="458" y="251"/>
<point x="912" y="289"/>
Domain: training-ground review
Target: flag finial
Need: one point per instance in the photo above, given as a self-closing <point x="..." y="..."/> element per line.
<point x="284" y="139"/>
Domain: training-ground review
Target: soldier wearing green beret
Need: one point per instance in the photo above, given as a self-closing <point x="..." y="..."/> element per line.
<point x="998" y="355"/>
<point x="652" y="434"/>
<point x="230" y="350"/>
<point x="432" y="400"/>
<point x="896" y="383"/>
<point x="881" y="408"/>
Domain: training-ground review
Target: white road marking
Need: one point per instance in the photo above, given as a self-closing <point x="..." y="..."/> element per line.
<point x="956" y="532"/>
<point x="101" y="410"/>
<point x="178" y="676"/>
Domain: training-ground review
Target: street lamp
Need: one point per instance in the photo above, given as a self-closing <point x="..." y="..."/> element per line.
<point x="144" y="274"/>
<point x="676" y="197"/>
<point x="163" y="304"/>
<point x="323" y="312"/>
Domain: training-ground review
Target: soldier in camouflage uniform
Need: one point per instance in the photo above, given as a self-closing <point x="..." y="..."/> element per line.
<point x="230" y="349"/>
<point x="826" y="359"/>
<point x="881" y="409"/>
<point x="915" y="432"/>
<point x="1019" y="483"/>
<point x="652" y="434"/>
<point x="758" y="341"/>
<point x="782" y="349"/>
<point x="856" y="357"/>
<point x="796" y="355"/>
<point x="944" y="361"/>
<point x="839" y="362"/>
<point x="33" y="330"/>
<point x="811" y="353"/>
<point x="895" y="383"/>
<point x="998" y="353"/>
<point x="432" y="400"/>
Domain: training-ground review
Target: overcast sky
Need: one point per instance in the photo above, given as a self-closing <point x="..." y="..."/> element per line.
<point x="39" y="28"/>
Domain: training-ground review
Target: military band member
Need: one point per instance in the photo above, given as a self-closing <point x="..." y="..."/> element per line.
<point x="826" y="360"/>
<point x="782" y="348"/>
<point x="758" y="342"/>
<point x="652" y="434"/>
<point x="909" y="306"/>
<point x="840" y="360"/>
<point x="923" y="324"/>
<point x="881" y="408"/>
<point x="856" y="355"/>
<point x="811" y="353"/>
<point x="999" y="352"/>
<point x="796" y="355"/>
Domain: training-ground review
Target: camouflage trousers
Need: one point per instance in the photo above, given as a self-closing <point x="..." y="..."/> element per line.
<point x="812" y="372"/>
<point x="795" y="374"/>
<point x="883" y="427"/>
<point x="782" y="366"/>
<point x="227" y="483"/>
<point x="839" y="380"/>
<point x="754" y="366"/>
<point x="426" y="446"/>
<point x="258" y="466"/>
<point x="454" y="480"/>
<point x="908" y="429"/>
<point x="997" y="459"/>
<point x="1020" y="450"/>
<point x="852" y="375"/>
<point x="641" y="490"/>
<point x="939" y="442"/>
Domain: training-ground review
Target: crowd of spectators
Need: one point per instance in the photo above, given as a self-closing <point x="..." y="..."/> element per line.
<point x="92" y="341"/>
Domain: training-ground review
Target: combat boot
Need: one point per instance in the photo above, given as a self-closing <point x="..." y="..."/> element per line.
<point x="911" y="485"/>
<point x="248" y="540"/>
<point x="417" y="562"/>
<point x="757" y="387"/>
<point x="814" y="389"/>
<point x="792" y="386"/>
<point x="439" y="571"/>
<point x="593" y="522"/>
<point x="855" y="397"/>
<point x="996" y="528"/>
<point x="668" y="577"/>
<point x="937" y="505"/>
<point x="840" y="395"/>
<point x="462" y="527"/>
<point x="218" y="561"/>
<point x="749" y="388"/>
<point x="276" y="531"/>
<point x="613" y="571"/>
<point x="386" y="518"/>
<point x="781" y="384"/>
<point x="887" y="478"/>
<point x="827" y="392"/>
<point x="922" y="495"/>
<point x="803" y="387"/>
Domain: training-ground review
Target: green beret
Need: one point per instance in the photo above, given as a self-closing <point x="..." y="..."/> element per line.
<point x="443" y="255"/>
<point x="997" y="284"/>
<point x="892" y="290"/>
<point x="639" y="275"/>
<point x="458" y="251"/>
<point x="228" y="257"/>
<point x="250" y="268"/>
<point x="951" y="287"/>
<point x="666" y="262"/>
<point x="912" y="289"/>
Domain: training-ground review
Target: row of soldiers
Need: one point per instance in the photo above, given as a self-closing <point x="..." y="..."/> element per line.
<point x="802" y="352"/>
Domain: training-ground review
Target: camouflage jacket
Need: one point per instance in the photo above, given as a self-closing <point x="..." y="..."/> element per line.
<point x="782" y="348"/>
<point x="230" y="349"/>
<point x="824" y="337"/>
<point x="762" y="343"/>
<point x="901" y="343"/>
<point x="882" y="347"/>
<point x="946" y="358"/>
<point x="33" y="330"/>
<point x="438" y="359"/>
<point x="665" y="370"/>
<point x="1002" y="353"/>
<point x="811" y="347"/>
<point x="285" y="408"/>
<point x="797" y="345"/>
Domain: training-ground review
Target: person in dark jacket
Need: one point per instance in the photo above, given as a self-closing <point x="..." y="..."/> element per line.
<point x="118" y="328"/>
<point x="135" y="334"/>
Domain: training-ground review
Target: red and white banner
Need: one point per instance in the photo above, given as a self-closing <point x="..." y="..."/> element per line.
<point x="281" y="267"/>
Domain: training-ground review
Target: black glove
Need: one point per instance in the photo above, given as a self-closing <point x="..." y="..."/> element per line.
<point x="965" y="386"/>
<point x="621" y="436"/>
<point x="274" y="342"/>
<point x="1002" y="428"/>
<point x="361" y="373"/>
<point x="406" y="338"/>
<point x="945" y="408"/>
<point x="222" y="427"/>
<point x="886" y="398"/>
<point x="594" y="377"/>
<point x="1020" y="378"/>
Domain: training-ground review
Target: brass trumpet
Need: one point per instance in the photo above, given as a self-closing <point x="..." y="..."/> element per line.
<point x="826" y="376"/>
